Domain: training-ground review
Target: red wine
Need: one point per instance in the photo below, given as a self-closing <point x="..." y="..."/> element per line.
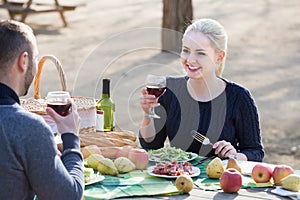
<point x="156" y="91"/>
<point x="60" y="107"/>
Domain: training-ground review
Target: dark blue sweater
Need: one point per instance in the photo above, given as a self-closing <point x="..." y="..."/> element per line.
<point x="232" y="116"/>
<point x="29" y="163"/>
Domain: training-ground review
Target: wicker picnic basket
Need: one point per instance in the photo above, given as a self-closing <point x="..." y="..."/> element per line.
<point x="86" y="109"/>
<point x="86" y="105"/>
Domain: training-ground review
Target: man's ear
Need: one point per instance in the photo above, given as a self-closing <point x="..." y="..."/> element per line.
<point x="23" y="61"/>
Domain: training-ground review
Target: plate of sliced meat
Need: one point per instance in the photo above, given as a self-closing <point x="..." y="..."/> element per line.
<point x="173" y="170"/>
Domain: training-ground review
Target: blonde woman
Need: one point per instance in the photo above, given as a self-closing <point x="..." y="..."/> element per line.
<point x="202" y="100"/>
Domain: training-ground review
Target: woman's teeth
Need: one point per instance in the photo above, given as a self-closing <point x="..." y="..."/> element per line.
<point x="193" y="68"/>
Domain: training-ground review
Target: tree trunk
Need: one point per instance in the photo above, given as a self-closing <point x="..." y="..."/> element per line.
<point x="177" y="15"/>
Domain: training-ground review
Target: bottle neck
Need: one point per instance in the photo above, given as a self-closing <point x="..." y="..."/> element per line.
<point x="105" y="88"/>
<point x="105" y="96"/>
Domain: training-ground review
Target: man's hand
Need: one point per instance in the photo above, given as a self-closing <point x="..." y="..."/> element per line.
<point x="66" y="124"/>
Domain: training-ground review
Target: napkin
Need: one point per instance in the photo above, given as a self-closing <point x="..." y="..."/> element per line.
<point x="286" y="193"/>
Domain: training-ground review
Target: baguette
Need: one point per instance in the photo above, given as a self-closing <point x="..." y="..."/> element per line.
<point x="120" y="134"/>
<point x="102" y="139"/>
<point x="86" y="140"/>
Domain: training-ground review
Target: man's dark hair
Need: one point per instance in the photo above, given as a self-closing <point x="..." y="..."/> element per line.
<point x="14" y="39"/>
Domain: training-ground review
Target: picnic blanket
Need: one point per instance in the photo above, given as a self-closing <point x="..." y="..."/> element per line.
<point x="135" y="183"/>
<point x="140" y="183"/>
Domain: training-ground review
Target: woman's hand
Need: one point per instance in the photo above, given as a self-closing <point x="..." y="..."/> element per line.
<point x="224" y="149"/>
<point x="148" y="101"/>
<point x="66" y="124"/>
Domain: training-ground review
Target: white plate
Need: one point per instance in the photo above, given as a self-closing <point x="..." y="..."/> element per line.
<point x="196" y="171"/>
<point x="97" y="179"/>
<point x="193" y="156"/>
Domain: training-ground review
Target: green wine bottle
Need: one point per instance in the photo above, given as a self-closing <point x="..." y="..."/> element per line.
<point x="106" y="105"/>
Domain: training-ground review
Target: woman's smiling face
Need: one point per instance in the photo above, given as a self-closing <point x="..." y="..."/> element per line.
<point x="198" y="57"/>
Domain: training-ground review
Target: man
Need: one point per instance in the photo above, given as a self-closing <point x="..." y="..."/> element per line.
<point x="29" y="162"/>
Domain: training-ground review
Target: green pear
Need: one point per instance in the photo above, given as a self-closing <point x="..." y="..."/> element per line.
<point x="107" y="166"/>
<point x="232" y="163"/>
<point x="215" y="168"/>
<point x="93" y="160"/>
<point x="291" y="182"/>
<point x="124" y="165"/>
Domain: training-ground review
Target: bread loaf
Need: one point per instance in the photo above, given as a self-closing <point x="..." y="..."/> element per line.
<point x="119" y="135"/>
<point x="107" y="139"/>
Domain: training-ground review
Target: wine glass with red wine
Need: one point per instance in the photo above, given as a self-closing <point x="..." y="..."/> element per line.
<point x="156" y="85"/>
<point x="59" y="101"/>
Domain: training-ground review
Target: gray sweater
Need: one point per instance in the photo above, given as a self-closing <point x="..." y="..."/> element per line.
<point x="29" y="161"/>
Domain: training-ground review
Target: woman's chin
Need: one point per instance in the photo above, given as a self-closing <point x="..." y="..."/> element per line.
<point x="194" y="74"/>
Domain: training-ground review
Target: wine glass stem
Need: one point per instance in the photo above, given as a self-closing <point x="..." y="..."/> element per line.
<point x="152" y="110"/>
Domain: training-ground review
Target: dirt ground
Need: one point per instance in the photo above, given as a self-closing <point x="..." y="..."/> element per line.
<point x="121" y="40"/>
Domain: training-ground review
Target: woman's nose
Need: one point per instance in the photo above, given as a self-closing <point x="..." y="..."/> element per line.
<point x="191" y="58"/>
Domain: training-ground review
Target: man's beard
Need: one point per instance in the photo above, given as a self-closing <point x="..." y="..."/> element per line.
<point x="28" y="78"/>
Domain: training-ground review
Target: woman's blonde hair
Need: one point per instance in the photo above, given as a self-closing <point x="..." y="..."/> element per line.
<point x="216" y="34"/>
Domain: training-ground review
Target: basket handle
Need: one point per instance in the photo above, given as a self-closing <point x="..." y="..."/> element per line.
<point x="39" y="71"/>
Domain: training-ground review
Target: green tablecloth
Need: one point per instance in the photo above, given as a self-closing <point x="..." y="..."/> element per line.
<point x="136" y="183"/>
<point x="139" y="183"/>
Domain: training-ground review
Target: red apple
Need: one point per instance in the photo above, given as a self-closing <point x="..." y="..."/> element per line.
<point x="123" y="151"/>
<point x="139" y="157"/>
<point x="262" y="173"/>
<point x="280" y="172"/>
<point x="231" y="180"/>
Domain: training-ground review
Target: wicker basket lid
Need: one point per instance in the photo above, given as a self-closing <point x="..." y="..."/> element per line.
<point x="38" y="105"/>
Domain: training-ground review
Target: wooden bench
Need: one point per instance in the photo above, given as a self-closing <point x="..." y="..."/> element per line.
<point x="24" y="8"/>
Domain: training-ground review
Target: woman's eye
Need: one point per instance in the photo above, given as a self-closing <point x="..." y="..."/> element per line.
<point x="185" y="51"/>
<point x="201" y="53"/>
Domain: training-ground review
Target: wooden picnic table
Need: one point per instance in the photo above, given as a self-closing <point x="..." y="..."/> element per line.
<point x="23" y="8"/>
<point x="196" y="193"/>
<point x="249" y="193"/>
